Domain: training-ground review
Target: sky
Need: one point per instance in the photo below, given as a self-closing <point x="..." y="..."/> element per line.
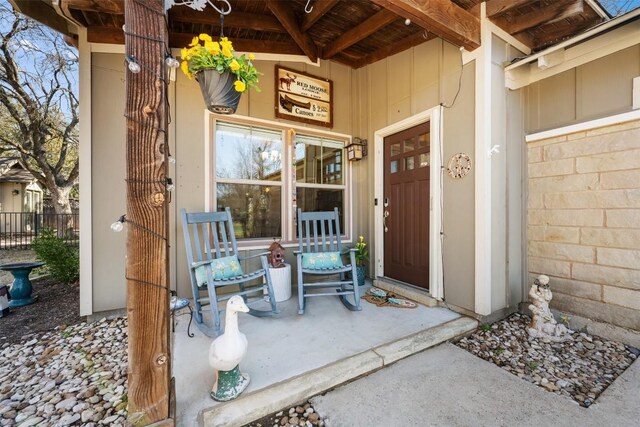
<point x="618" y="7"/>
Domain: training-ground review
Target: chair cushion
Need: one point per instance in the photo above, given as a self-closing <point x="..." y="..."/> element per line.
<point x="221" y="268"/>
<point x="319" y="260"/>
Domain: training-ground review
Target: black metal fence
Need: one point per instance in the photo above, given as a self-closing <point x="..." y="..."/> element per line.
<point x="18" y="229"/>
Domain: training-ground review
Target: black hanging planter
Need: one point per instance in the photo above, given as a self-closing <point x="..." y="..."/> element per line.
<point x="218" y="91"/>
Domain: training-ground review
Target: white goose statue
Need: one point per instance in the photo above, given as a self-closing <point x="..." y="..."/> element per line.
<point x="225" y="355"/>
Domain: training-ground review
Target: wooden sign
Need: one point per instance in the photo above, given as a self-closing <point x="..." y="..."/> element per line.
<point x="304" y="98"/>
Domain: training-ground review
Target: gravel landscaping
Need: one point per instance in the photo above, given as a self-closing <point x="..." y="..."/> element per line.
<point x="581" y="368"/>
<point x="74" y="375"/>
<point x="301" y="415"/>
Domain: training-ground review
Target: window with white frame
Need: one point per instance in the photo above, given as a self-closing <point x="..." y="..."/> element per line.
<point x="263" y="173"/>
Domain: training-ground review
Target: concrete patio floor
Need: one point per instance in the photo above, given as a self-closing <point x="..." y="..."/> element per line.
<point x="293" y="357"/>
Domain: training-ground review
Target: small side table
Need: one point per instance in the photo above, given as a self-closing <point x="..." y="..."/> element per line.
<point x="20" y="291"/>
<point x="281" y="282"/>
<point x="177" y="304"/>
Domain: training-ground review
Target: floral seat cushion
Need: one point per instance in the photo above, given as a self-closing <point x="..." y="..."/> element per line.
<point x="321" y="260"/>
<point x="221" y="268"/>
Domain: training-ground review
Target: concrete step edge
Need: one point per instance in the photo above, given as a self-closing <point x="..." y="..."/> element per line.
<point x="260" y="403"/>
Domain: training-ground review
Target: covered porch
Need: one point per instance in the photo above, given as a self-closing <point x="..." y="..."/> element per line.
<point x="292" y="357"/>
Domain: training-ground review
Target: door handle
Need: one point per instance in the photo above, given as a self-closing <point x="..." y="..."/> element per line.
<point x="384" y="221"/>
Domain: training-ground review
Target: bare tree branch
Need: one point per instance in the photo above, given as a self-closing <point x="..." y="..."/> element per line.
<point x="39" y="103"/>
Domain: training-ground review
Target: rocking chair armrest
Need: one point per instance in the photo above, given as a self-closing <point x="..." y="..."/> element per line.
<point x="296" y="253"/>
<point x="253" y="256"/>
<point x="197" y="264"/>
<point x="348" y="251"/>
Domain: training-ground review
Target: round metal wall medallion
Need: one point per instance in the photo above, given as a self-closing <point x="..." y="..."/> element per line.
<point x="459" y="166"/>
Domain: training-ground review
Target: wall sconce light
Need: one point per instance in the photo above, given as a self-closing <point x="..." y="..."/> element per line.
<point x="15" y="192"/>
<point x="357" y="149"/>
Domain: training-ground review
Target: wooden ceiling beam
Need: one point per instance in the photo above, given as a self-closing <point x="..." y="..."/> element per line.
<point x="320" y="8"/>
<point x="441" y="17"/>
<point x="548" y="15"/>
<point x="263" y="23"/>
<point x="43" y="13"/>
<point x="549" y="36"/>
<point x="496" y="8"/>
<point x="112" y="35"/>
<point x="283" y="12"/>
<point x="392" y="49"/>
<point x="362" y="31"/>
<point x="101" y="6"/>
<point x="180" y="40"/>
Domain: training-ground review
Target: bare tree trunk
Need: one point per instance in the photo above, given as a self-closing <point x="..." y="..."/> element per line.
<point x="147" y="269"/>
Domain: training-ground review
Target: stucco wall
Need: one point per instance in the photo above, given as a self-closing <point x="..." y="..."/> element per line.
<point x="584" y="221"/>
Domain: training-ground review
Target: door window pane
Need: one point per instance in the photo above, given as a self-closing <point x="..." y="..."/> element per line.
<point x="248" y="152"/>
<point x="423" y="140"/>
<point x="408" y="163"/>
<point x="255" y="209"/>
<point x="395" y="149"/>
<point x="409" y="145"/>
<point x="394" y="166"/>
<point x="425" y="159"/>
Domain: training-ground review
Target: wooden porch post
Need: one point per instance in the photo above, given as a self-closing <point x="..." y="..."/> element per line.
<point x="147" y="266"/>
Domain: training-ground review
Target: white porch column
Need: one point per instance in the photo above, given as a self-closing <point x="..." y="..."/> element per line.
<point x="86" y="253"/>
<point x="483" y="169"/>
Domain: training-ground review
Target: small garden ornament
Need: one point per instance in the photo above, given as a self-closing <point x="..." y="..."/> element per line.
<point x="276" y="255"/>
<point x="226" y="353"/>
<point x="543" y="324"/>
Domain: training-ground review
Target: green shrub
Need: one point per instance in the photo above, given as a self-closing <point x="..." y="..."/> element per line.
<point x="62" y="260"/>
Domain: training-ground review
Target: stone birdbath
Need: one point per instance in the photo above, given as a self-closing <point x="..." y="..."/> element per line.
<point x="20" y="291"/>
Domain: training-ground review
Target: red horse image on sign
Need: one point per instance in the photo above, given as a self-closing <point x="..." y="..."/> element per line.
<point x="303" y="98"/>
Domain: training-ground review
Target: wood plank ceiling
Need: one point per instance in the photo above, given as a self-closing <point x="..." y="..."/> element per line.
<point x="353" y="32"/>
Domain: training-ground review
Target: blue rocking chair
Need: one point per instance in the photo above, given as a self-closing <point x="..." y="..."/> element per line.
<point x="320" y="254"/>
<point x="212" y="255"/>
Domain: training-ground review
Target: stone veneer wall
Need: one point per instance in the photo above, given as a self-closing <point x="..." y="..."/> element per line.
<point x="584" y="221"/>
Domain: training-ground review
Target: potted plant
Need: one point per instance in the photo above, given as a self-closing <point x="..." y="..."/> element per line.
<point x="362" y="255"/>
<point x="222" y="75"/>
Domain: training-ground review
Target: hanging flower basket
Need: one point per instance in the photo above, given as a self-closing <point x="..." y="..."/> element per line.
<point x="222" y="75"/>
<point x="218" y="91"/>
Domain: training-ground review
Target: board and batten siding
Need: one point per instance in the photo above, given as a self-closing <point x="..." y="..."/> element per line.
<point x="187" y="140"/>
<point x="600" y="88"/>
<point x="399" y="87"/>
<point x="584" y="221"/>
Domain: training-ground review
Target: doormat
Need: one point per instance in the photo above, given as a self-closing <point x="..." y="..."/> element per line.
<point x="382" y="298"/>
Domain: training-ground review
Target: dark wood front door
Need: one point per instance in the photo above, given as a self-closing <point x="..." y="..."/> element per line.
<point x="407" y="160"/>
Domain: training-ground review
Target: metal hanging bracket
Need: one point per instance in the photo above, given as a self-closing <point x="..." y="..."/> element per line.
<point x="308" y="8"/>
<point x="199" y="5"/>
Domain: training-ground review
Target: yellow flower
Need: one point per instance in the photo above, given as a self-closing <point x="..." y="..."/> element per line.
<point x="194" y="42"/>
<point x="212" y="47"/>
<point x="240" y="86"/>
<point x="205" y="38"/>
<point x="234" y="65"/>
<point x="252" y="56"/>
<point x="226" y="51"/>
<point x="225" y="42"/>
<point x="184" y="66"/>
<point x="183" y="53"/>
<point x="362" y="238"/>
